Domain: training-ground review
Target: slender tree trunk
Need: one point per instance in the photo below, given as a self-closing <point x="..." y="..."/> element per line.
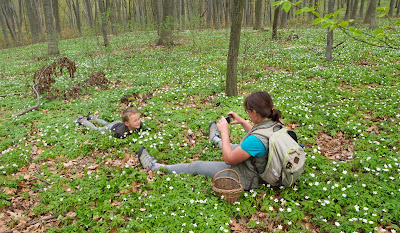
<point x="353" y="14"/>
<point x="275" y="23"/>
<point x="167" y="24"/>
<point x="209" y="14"/>
<point x="103" y="22"/>
<point x="370" y="15"/>
<point x="258" y="25"/>
<point x="56" y="15"/>
<point x="233" y="53"/>
<point x="71" y="14"/>
<point x="78" y="16"/>
<point x="89" y="15"/>
<point x="391" y="7"/>
<point x="398" y="8"/>
<point x="32" y="21"/>
<point x="52" y="44"/>
<point x="348" y="10"/>
<point x="362" y="8"/>
<point x="20" y="34"/>
<point x="329" y="37"/>
<point x="283" y="19"/>
<point x="4" y="29"/>
<point x="8" y="16"/>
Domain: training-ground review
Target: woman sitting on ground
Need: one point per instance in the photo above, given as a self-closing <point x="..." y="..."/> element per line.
<point x="248" y="159"/>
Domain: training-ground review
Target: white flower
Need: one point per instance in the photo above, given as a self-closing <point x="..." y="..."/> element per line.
<point x="337" y="224"/>
<point x="280" y="227"/>
<point x="271" y="208"/>
<point x="289" y="209"/>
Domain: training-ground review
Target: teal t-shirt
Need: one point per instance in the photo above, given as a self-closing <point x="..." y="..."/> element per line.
<point x="253" y="146"/>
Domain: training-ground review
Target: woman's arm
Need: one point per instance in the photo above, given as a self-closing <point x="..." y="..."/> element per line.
<point x="231" y="157"/>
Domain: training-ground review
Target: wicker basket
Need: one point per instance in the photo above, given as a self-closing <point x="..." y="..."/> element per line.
<point x="227" y="188"/>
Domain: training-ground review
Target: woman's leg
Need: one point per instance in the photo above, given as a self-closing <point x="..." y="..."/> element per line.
<point x="207" y="168"/>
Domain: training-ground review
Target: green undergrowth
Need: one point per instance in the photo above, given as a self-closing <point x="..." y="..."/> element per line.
<point x="179" y="91"/>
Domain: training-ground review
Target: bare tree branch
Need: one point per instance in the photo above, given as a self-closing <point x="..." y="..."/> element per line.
<point x="19" y="93"/>
<point x="368" y="43"/>
<point x="31" y="108"/>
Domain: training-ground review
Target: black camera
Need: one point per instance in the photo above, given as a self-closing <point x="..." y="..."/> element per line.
<point x="228" y="118"/>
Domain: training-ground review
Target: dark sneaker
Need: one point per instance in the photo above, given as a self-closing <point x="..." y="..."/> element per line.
<point x="145" y="159"/>
<point x="79" y="120"/>
<point x="89" y="117"/>
<point x="213" y="130"/>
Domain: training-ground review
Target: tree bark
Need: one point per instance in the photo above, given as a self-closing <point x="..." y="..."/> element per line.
<point x="4" y="29"/>
<point x="259" y="19"/>
<point x="275" y="23"/>
<point x="167" y="25"/>
<point x="348" y="9"/>
<point x="283" y="19"/>
<point x="56" y="15"/>
<point x="52" y="44"/>
<point x="32" y="21"/>
<point x="234" y="42"/>
<point x="329" y="37"/>
<point x="89" y="14"/>
<point x="391" y="7"/>
<point x="362" y="8"/>
<point x="9" y="18"/>
<point x="103" y="22"/>
<point x="353" y="14"/>
<point x="78" y="16"/>
<point x="370" y="15"/>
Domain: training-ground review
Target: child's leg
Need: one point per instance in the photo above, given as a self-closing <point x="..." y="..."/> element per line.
<point x="207" y="168"/>
<point x="101" y="121"/>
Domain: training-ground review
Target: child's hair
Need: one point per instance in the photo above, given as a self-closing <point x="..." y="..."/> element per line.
<point x="127" y="113"/>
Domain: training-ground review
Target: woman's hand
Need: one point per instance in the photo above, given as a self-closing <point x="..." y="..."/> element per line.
<point x="223" y="126"/>
<point x="236" y="118"/>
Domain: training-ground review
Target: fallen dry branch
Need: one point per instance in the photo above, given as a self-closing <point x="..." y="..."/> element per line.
<point x="31" y="223"/>
<point x="19" y="93"/>
<point x="31" y="108"/>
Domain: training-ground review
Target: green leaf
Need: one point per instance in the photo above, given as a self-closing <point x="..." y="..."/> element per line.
<point x="325" y="25"/>
<point x="357" y="32"/>
<point x="344" y="23"/>
<point x="286" y="6"/>
<point x="351" y="29"/>
<point x="298" y="2"/>
<point x="337" y="12"/>
<point x="397" y="23"/>
<point x="278" y="3"/>
<point x="317" y="21"/>
<point x="379" y="31"/>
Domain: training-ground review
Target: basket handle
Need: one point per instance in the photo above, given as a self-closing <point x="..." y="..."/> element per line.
<point x="225" y="170"/>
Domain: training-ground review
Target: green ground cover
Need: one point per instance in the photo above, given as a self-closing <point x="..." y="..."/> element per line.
<point x="345" y="112"/>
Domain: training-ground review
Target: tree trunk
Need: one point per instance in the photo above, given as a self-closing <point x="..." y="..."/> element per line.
<point x="390" y="13"/>
<point x="78" y="16"/>
<point x="329" y="37"/>
<point x="283" y="19"/>
<point x="370" y="15"/>
<point x="362" y="8"/>
<point x="8" y="16"/>
<point x="348" y="9"/>
<point x="52" y="45"/>
<point x="56" y="15"/>
<point x="275" y="23"/>
<point x="71" y="13"/>
<point x="103" y="22"/>
<point x="4" y="29"/>
<point x="88" y="7"/>
<point x="167" y="25"/>
<point x="353" y="14"/>
<point x="234" y="42"/>
<point x="258" y="24"/>
<point x="398" y="9"/>
<point x="32" y="22"/>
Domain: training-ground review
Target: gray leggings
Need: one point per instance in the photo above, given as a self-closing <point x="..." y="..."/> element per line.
<point x="107" y="125"/>
<point x="207" y="168"/>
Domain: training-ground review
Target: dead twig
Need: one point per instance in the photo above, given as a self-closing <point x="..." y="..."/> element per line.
<point x="19" y="93"/>
<point x="31" y="223"/>
<point x="31" y="108"/>
<point x="37" y="178"/>
<point x="37" y="168"/>
<point x="334" y="47"/>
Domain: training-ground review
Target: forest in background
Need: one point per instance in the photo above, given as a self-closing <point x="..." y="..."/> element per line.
<point x="23" y="21"/>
